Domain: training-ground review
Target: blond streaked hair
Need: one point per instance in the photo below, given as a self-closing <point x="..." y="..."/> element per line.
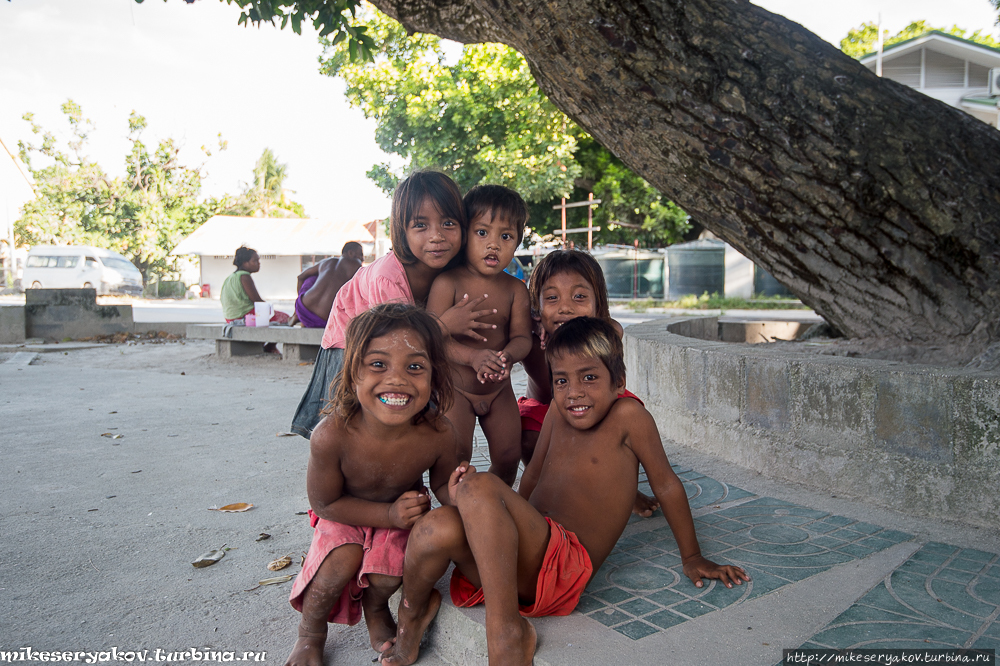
<point x="382" y="320"/>
<point x="592" y="338"/>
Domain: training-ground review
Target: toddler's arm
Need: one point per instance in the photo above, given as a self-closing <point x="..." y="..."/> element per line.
<point x="519" y="339"/>
<point x="644" y="440"/>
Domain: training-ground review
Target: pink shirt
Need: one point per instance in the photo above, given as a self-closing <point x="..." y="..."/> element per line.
<point x="382" y="281"/>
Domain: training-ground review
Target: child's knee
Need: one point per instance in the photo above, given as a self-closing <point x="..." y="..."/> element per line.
<point x="475" y="486"/>
<point x="440" y="528"/>
<point x="338" y="567"/>
<point x="384" y="583"/>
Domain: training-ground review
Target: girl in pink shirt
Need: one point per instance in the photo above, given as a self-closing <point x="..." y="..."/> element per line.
<point x="427" y="226"/>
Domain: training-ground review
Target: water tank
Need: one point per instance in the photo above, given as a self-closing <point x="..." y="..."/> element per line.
<point x="696" y="268"/>
<point x="632" y="274"/>
<point x="764" y="284"/>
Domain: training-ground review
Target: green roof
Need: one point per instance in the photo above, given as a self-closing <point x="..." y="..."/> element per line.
<point x="940" y="33"/>
<point x="982" y="100"/>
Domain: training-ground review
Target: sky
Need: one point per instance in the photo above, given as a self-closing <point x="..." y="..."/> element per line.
<point x="193" y="73"/>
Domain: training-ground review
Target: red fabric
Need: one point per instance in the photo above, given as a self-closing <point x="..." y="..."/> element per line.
<point x="629" y="394"/>
<point x="384" y="550"/>
<point x="533" y="412"/>
<point x="565" y="572"/>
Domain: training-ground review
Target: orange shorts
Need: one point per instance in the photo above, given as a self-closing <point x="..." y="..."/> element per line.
<point x="533" y="412"/>
<point x="565" y="572"/>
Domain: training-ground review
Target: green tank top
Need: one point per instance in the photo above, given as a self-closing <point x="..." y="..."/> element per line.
<point x="235" y="302"/>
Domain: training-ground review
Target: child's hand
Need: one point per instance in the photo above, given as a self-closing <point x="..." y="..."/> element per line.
<point x="698" y="567"/>
<point x="463" y="470"/>
<point x="539" y="330"/>
<point x="461" y="318"/>
<point x="408" y="508"/>
<point x="489" y="365"/>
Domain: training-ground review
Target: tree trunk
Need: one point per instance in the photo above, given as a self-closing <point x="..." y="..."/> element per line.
<point x="876" y="205"/>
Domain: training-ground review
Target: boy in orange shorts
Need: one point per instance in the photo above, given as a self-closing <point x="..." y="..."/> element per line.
<point x="532" y="553"/>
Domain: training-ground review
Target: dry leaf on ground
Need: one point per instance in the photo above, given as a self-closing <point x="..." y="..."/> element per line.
<point x="277" y="580"/>
<point x="238" y="507"/>
<point x="209" y="558"/>
<point x="280" y="563"/>
<point x="263" y="536"/>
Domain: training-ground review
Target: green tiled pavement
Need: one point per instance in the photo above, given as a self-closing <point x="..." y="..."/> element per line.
<point x="942" y="597"/>
<point x="641" y="588"/>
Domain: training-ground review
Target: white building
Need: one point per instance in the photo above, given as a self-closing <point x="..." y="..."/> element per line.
<point x="951" y="69"/>
<point x="286" y="248"/>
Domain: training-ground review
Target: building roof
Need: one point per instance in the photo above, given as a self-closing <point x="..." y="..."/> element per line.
<point x="958" y="47"/>
<point x="223" y="234"/>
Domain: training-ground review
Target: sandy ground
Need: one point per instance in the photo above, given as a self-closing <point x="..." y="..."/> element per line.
<point x="98" y="534"/>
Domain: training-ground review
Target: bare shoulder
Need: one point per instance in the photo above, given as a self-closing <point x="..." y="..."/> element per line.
<point x="511" y="283"/>
<point x="628" y="413"/>
<point x="449" y="277"/>
<point x="329" y="436"/>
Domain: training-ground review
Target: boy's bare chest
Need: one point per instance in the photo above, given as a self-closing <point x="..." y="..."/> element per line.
<point x="600" y="453"/>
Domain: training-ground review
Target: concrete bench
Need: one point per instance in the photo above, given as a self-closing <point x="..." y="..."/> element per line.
<point x="297" y="344"/>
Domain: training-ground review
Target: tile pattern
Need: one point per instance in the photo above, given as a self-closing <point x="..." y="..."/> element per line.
<point x="641" y="588"/>
<point x="942" y="597"/>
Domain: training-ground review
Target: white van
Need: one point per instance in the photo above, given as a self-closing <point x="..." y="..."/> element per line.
<point x="80" y="266"/>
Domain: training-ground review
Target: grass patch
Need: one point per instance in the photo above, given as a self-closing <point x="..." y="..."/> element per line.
<point x="716" y="302"/>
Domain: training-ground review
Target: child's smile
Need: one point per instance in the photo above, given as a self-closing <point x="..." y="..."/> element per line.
<point x="394" y="382"/>
<point x="566" y="296"/>
<point x="491" y="246"/>
<point x="582" y="389"/>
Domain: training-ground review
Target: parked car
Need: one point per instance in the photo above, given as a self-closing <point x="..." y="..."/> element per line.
<point x="80" y="266"/>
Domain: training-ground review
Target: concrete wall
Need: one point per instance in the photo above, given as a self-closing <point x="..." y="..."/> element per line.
<point x="12" y="328"/>
<point x="56" y="314"/>
<point x="918" y="439"/>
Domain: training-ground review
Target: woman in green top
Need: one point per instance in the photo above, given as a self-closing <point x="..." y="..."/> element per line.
<point x="239" y="293"/>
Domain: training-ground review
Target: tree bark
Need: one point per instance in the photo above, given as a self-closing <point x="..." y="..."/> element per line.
<point x="876" y="205"/>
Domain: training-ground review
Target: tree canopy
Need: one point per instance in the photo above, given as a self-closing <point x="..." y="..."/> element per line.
<point x="863" y="40"/>
<point x="876" y="205"/>
<point x="142" y="214"/>
<point x="484" y="120"/>
<point x="267" y="197"/>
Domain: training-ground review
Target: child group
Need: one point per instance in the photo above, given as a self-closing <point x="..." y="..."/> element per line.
<point x="395" y="393"/>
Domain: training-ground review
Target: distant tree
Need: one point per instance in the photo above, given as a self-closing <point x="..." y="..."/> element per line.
<point x="484" y="120"/>
<point x="863" y="40"/>
<point x="267" y="197"/>
<point x="142" y="215"/>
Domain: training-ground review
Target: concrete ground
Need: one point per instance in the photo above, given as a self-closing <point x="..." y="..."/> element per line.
<point x="114" y="456"/>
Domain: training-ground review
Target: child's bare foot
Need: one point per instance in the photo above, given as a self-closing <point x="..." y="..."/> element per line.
<point x="381" y="628"/>
<point x="308" y="649"/>
<point x="411" y="629"/>
<point x="644" y="505"/>
<point x="515" y="647"/>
